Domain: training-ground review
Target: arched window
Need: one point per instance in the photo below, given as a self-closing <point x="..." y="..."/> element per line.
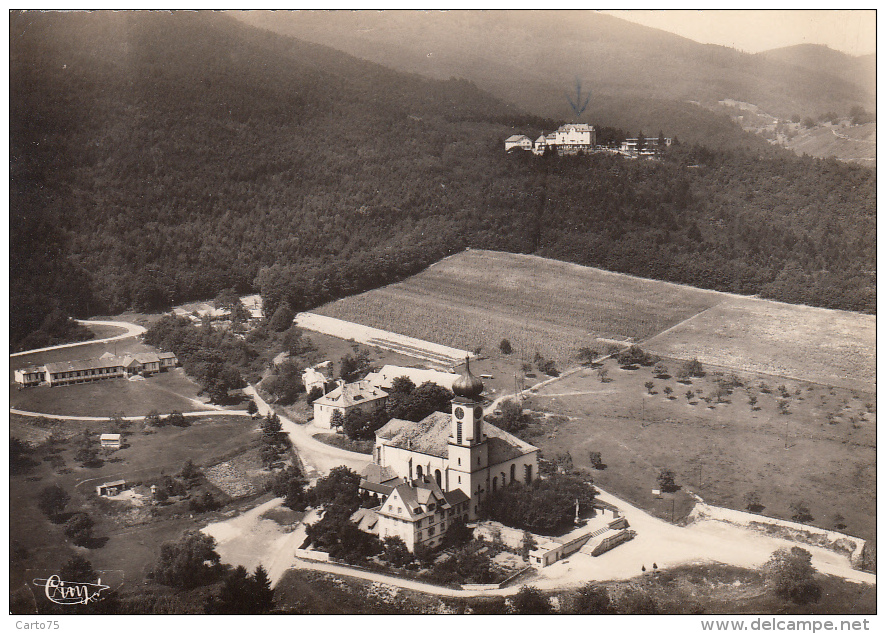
<point x="418" y="472"/>
<point x="513" y="472"/>
<point x="495" y="483"/>
<point x="439" y="477"/>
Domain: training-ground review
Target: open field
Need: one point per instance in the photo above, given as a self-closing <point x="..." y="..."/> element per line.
<point x="164" y="392"/>
<point x="823" y="452"/>
<point x="477" y="298"/>
<point x="825" y="346"/>
<point x="206" y="441"/>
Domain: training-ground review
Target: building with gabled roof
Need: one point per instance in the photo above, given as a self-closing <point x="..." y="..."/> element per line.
<point x="384" y="378"/>
<point x="348" y="397"/>
<point x="420" y="512"/>
<point x="518" y="141"/>
<point x="458" y="450"/>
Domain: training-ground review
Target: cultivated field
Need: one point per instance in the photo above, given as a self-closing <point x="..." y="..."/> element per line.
<point x="822" y="452"/>
<point x="477" y="298"/>
<point x="826" y="346"/>
<point x="480" y="297"/>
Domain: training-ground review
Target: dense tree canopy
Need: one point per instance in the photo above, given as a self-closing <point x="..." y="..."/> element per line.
<point x="545" y="506"/>
<point x="139" y="179"/>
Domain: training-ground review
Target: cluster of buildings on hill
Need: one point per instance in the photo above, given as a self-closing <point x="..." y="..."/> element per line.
<point x="107" y="366"/>
<point x="427" y="475"/>
<point x="572" y="138"/>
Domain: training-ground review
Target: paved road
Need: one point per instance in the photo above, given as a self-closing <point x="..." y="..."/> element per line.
<point x="317" y="457"/>
<point x="132" y="330"/>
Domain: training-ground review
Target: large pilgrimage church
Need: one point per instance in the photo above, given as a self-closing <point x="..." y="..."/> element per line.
<point x="436" y="471"/>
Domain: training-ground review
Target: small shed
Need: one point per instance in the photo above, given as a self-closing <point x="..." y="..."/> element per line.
<point x="111" y="488"/>
<point x="114" y="441"/>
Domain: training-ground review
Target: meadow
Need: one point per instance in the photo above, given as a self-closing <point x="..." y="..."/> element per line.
<point x="821" y="452"/>
<point x="477" y="298"/>
<point x="42" y="545"/>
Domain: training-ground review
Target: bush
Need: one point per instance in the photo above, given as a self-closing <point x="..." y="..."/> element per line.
<point x="545" y="506"/>
<point x="694" y="368"/>
<point x="79" y="528"/>
<point x="188" y="563"/>
<point x="666" y="481"/>
<point x="791" y="575"/>
<point x="530" y="600"/>
<point x="505" y="347"/>
<point x="52" y="501"/>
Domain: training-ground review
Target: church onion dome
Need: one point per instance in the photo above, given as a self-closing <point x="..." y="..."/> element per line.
<point x="467" y="385"/>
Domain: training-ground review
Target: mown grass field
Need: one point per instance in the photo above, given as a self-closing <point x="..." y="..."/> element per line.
<point x="823" y="452"/>
<point x="164" y="392"/>
<point x="478" y="298"/>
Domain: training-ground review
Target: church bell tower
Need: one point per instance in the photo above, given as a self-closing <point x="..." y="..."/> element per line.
<point x="468" y="450"/>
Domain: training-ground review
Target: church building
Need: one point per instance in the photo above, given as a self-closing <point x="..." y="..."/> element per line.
<point x="443" y="454"/>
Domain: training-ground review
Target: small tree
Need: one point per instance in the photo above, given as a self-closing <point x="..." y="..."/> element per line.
<point x="590" y="599"/>
<point x="690" y="395"/>
<point x="666" y="481"/>
<point x="396" y="552"/>
<point x="587" y="356"/>
<point x="337" y="420"/>
<point x="52" y="501"/>
<point x="668" y="391"/>
<point x="530" y="600"/>
<point x="791" y="575"/>
<point x="596" y="460"/>
<point x="752" y="401"/>
<point x="282" y="318"/>
<point x="188" y="563"/>
<point x="78" y="569"/>
<point x="505" y="347"/>
<point x="661" y="370"/>
<point x="527" y="545"/>
<point x="694" y="368"/>
<point x="79" y="529"/>
<point x="839" y="521"/>
<point x="252" y="408"/>
<point x="752" y="502"/>
<point x="153" y="419"/>
<point x="649" y="385"/>
<point x="190" y="473"/>
<point x="176" y="418"/>
<point x="801" y="512"/>
<point x="602" y="374"/>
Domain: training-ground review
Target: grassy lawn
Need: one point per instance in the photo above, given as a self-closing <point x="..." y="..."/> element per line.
<point x="206" y="441"/>
<point x="825" y="346"/>
<point x="164" y="392"/>
<point x="103" y="332"/>
<point x="343" y="442"/>
<point x="480" y="297"/>
<point x="822" y="452"/>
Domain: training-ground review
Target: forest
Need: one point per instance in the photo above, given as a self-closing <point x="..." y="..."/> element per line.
<point x="159" y="158"/>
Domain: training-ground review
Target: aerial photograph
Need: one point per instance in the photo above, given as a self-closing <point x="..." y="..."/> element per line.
<point x="443" y="312"/>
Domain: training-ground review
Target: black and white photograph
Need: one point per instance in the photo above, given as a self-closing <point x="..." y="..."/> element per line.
<point x="443" y="312"/>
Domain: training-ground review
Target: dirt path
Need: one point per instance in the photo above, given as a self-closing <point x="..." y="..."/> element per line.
<point x="21" y="412"/>
<point x="132" y="330"/>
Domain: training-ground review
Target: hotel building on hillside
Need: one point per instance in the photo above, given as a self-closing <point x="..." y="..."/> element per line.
<point x="107" y="366"/>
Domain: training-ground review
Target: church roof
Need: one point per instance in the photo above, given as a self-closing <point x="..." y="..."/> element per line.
<point x="431" y="436"/>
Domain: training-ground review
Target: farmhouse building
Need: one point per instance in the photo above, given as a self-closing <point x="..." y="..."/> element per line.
<point x="106" y="366"/>
<point x="313" y="377"/>
<point x="384" y="378"/>
<point x="347" y="397"/>
<point x="456" y="451"/>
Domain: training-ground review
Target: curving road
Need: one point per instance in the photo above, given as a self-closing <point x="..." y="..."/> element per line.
<point x="132" y="330"/>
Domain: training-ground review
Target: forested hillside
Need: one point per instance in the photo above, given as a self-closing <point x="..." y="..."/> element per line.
<point x="161" y="157"/>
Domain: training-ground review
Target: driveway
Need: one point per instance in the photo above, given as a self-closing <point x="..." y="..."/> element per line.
<point x="132" y="330"/>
